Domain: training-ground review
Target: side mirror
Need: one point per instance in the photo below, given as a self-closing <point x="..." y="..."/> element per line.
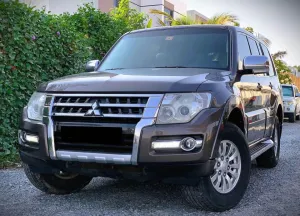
<point x="256" y="64"/>
<point x="92" y="65"/>
<point x="298" y="95"/>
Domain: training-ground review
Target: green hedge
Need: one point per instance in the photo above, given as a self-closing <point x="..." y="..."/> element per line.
<point x="36" y="46"/>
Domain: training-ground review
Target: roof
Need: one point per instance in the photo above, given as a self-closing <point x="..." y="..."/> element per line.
<point x="229" y="27"/>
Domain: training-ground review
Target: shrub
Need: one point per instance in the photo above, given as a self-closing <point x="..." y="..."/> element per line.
<point x="283" y="72"/>
<point x="34" y="47"/>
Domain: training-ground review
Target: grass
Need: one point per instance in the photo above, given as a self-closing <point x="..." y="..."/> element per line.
<point x="9" y="161"/>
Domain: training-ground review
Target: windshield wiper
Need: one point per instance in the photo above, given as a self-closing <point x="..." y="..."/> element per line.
<point x="172" y="67"/>
<point x="115" y="69"/>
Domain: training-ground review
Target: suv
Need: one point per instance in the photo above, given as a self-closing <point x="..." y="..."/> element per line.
<point x="291" y="102"/>
<point x="191" y="105"/>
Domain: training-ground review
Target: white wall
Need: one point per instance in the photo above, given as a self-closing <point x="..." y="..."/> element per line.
<point x="59" y="6"/>
<point x="179" y="7"/>
<point x="39" y="4"/>
<point x="135" y="4"/>
<point x="71" y="6"/>
<point x="158" y="6"/>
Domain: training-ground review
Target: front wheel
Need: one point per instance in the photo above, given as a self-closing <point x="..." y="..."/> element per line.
<point x="57" y="183"/>
<point x="226" y="186"/>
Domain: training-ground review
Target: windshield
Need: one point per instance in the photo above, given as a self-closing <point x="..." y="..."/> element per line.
<point x="287" y="91"/>
<point x="171" y="48"/>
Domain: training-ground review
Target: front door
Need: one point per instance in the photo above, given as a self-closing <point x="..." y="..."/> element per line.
<point x="254" y="99"/>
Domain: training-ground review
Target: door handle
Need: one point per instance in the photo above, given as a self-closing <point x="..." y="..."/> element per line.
<point x="271" y="86"/>
<point x="259" y="86"/>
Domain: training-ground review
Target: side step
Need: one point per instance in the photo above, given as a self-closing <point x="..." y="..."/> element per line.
<point x="259" y="148"/>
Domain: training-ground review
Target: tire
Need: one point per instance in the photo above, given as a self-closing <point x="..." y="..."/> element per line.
<point x="292" y="117"/>
<point x="270" y="158"/>
<point x="53" y="184"/>
<point x="298" y="117"/>
<point x="205" y="196"/>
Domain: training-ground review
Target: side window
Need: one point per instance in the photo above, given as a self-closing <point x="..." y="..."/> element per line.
<point x="243" y="47"/>
<point x="253" y="47"/>
<point x="267" y="54"/>
<point x="259" y="49"/>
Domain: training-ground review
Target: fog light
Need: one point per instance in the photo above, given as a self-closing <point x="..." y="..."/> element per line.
<point x="186" y="144"/>
<point x="28" y="137"/>
<point x="189" y="144"/>
<point x="165" y="144"/>
<point x="31" y="138"/>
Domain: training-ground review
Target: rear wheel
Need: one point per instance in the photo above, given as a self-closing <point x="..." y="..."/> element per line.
<point x="226" y="186"/>
<point x="63" y="183"/>
<point x="270" y="158"/>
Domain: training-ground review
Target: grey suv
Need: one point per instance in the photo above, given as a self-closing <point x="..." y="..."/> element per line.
<point x="189" y="105"/>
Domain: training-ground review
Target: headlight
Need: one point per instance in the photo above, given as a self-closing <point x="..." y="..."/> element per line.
<point x="288" y="103"/>
<point x="35" y="106"/>
<point x="182" y="107"/>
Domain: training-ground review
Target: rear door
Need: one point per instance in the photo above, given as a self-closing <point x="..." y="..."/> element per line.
<point x="271" y="82"/>
<point x="251" y="94"/>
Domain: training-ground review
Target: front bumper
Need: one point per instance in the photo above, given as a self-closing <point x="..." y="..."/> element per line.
<point x="204" y="125"/>
<point x="289" y="108"/>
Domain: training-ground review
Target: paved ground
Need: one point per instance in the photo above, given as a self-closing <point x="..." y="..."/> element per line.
<point x="271" y="192"/>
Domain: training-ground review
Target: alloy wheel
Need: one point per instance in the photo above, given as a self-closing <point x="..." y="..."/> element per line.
<point x="227" y="169"/>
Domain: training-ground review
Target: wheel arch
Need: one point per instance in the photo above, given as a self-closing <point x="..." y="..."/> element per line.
<point x="234" y="113"/>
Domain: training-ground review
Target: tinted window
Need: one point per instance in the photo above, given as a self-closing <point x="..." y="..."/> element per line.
<point x="267" y="54"/>
<point x="287" y="91"/>
<point x="253" y="47"/>
<point x="259" y="49"/>
<point x="243" y="47"/>
<point x="182" y="47"/>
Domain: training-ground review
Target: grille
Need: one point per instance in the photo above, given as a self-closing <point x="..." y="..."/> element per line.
<point x="96" y="139"/>
<point x="108" y="106"/>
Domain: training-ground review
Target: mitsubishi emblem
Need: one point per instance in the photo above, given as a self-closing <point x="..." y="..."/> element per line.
<point x="95" y="111"/>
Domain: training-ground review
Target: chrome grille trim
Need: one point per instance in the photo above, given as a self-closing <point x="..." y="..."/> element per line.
<point x="147" y="118"/>
<point x="110" y="106"/>
<point x="102" y="105"/>
<point x="104" y="115"/>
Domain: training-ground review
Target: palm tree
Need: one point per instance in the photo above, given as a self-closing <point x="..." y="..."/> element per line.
<point x="221" y="19"/>
<point x="279" y="55"/>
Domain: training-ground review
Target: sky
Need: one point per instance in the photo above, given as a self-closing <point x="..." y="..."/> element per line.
<point x="278" y="20"/>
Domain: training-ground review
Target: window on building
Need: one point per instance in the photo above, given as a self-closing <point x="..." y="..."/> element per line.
<point x="171" y="13"/>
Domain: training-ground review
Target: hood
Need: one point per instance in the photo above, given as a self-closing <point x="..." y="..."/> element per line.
<point x="146" y="80"/>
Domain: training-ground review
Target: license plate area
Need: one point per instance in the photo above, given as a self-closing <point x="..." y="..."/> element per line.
<point x="93" y="138"/>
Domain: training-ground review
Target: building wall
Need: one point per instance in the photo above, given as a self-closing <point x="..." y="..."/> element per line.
<point x="147" y="5"/>
<point x="39" y="4"/>
<point x="179" y="8"/>
<point x="135" y="4"/>
<point x="106" y="5"/>
<point x="195" y="15"/>
<point x="71" y="6"/>
<point x="59" y="6"/>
